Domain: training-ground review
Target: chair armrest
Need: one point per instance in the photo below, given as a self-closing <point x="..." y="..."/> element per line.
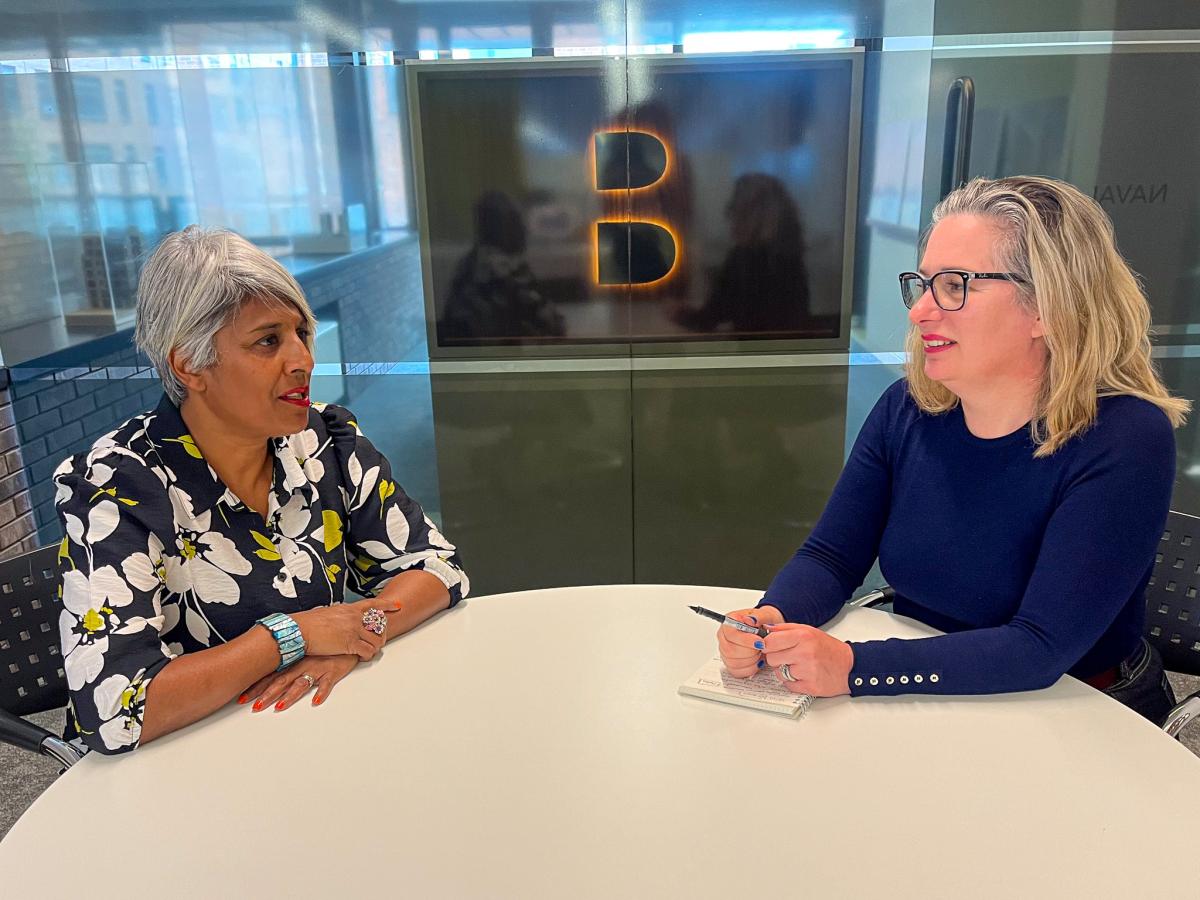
<point x="1183" y="713"/>
<point x="20" y="733"/>
<point x="877" y="597"/>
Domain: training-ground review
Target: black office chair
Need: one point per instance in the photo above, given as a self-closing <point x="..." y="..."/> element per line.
<point x="31" y="667"/>
<point x="1173" y="609"/>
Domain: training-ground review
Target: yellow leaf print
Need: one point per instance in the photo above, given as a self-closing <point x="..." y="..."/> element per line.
<point x="333" y="529"/>
<point x="65" y="553"/>
<point x="362" y="563"/>
<point x="112" y="492"/>
<point x="188" y="550"/>
<point x="386" y="489"/>
<point x="331" y="572"/>
<point x="266" y="548"/>
<point x="189" y="444"/>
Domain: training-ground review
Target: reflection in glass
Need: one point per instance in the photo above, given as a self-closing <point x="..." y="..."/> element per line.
<point x="728" y="186"/>
<point x="493" y="291"/>
<point x="762" y="284"/>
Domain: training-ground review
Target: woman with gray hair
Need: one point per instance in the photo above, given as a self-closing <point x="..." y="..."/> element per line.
<point x="209" y="543"/>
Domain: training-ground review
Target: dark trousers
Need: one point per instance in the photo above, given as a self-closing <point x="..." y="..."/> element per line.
<point x="1143" y="685"/>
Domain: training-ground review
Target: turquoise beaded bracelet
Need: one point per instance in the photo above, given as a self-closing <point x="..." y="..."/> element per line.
<point x="287" y="635"/>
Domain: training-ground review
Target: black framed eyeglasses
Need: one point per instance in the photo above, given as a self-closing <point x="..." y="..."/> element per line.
<point x="949" y="287"/>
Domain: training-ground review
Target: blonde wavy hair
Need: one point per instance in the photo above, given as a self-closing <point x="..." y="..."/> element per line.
<point x="1092" y="306"/>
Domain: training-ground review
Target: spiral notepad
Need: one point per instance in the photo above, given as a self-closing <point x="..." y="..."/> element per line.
<point x="762" y="691"/>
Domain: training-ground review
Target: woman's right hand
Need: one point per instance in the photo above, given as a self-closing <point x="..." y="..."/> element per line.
<point x="742" y="659"/>
<point x="338" y="629"/>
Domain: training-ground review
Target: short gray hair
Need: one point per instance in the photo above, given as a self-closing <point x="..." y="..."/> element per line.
<point x="193" y="285"/>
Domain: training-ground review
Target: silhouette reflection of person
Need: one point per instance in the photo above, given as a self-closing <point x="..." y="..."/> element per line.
<point x="493" y="293"/>
<point x="762" y="284"/>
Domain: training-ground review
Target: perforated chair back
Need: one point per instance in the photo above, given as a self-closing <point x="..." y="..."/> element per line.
<point x="31" y="667"/>
<point x="1172" y="604"/>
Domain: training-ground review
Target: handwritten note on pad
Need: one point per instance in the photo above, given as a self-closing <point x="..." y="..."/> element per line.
<point x="763" y="691"/>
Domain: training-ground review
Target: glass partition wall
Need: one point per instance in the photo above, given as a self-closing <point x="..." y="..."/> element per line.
<point x="612" y="284"/>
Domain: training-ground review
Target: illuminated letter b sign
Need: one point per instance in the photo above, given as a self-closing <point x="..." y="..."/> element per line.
<point x="631" y="253"/>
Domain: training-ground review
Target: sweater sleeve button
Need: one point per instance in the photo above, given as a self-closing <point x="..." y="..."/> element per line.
<point x="874" y="681"/>
<point x="918" y="679"/>
<point x="934" y="678"/>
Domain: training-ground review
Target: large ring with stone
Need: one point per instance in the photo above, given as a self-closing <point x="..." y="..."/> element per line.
<point x="309" y="679"/>
<point x="374" y="620"/>
<point x="786" y="673"/>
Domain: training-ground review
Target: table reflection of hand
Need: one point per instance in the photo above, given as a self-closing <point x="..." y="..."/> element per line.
<point x="284" y="688"/>
<point x="742" y="659"/>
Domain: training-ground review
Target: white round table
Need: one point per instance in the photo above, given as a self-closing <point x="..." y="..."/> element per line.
<point x="533" y="745"/>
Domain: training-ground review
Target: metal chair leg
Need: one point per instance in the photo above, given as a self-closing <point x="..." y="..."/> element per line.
<point x="1183" y="713"/>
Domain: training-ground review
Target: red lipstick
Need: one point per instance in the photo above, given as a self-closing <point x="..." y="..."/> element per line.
<point x="297" y="396"/>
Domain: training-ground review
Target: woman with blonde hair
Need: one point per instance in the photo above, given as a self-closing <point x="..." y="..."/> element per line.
<point x="1013" y="486"/>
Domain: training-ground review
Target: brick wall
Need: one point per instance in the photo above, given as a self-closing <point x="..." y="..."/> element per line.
<point x="61" y="412"/>
<point x="50" y="412"/>
<point x="380" y="305"/>
<point x="16" y="518"/>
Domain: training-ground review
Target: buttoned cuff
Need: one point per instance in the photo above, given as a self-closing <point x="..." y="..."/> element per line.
<point x="875" y="673"/>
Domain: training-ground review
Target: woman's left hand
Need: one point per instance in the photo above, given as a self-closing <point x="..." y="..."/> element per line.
<point x="286" y="687"/>
<point x="819" y="663"/>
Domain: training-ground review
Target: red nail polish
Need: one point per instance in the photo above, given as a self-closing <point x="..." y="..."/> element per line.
<point x="258" y="705"/>
<point x="279" y="706"/>
<point x="243" y="698"/>
<point x="317" y="701"/>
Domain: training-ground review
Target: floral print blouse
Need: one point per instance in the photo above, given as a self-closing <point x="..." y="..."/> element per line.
<point x="161" y="558"/>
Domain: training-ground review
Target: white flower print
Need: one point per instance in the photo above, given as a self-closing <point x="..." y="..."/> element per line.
<point x="120" y="702"/>
<point x="102" y="521"/>
<point x="89" y="616"/>
<point x="295" y="561"/>
<point x="436" y="538"/>
<point x="197" y="627"/>
<point x="146" y="572"/>
<point x="305" y="446"/>
<point x="294" y="516"/>
<point x="397" y="528"/>
<point x="161" y="559"/>
<point x="204" y="564"/>
<point x="294" y="564"/>
<point x="182" y="503"/>
<point x="366" y="490"/>
<point x="171" y="612"/>
<point x="65" y="466"/>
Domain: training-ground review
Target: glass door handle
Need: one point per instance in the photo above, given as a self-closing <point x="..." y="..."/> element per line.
<point x="956" y="143"/>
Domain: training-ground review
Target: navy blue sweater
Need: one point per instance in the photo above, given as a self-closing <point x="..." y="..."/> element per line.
<point x="1033" y="567"/>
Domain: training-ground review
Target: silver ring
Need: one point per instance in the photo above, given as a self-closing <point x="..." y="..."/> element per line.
<point x="306" y="677"/>
<point x="786" y="672"/>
